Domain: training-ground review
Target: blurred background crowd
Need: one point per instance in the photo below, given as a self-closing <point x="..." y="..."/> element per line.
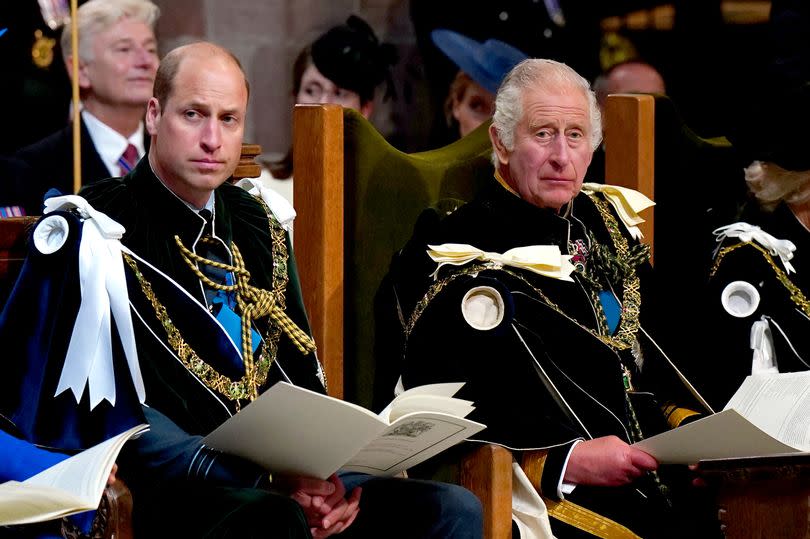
<point x="712" y="55"/>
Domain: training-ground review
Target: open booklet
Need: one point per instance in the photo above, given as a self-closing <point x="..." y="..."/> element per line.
<point x="74" y="485"/>
<point x="768" y="415"/>
<point x="296" y="431"/>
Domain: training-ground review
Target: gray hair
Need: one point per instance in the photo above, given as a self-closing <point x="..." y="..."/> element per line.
<point x="96" y="16"/>
<point x="771" y="184"/>
<point x="545" y="74"/>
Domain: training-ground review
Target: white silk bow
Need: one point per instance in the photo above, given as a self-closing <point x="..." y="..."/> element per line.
<point x="103" y="293"/>
<point x="747" y="232"/>
<point x="627" y="202"/>
<point x="542" y="259"/>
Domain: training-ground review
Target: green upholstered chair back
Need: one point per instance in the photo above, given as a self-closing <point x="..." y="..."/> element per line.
<point x="382" y="191"/>
<point x="357" y="200"/>
<point x="386" y="190"/>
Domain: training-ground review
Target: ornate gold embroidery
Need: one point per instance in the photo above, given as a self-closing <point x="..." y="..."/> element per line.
<point x="631" y="295"/>
<point x="280" y="281"/>
<point x="256" y="375"/>
<point x="796" y="295"/>
<point x="233" y="390"/>
<point x="42" y="51"/>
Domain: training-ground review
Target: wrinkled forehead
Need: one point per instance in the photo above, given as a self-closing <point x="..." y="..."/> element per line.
<point x="556" y="100"/>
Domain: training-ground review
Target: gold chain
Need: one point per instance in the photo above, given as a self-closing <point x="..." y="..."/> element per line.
<point x="631" y="293"/>
<point x="256" y="372"/>
<point x="233" y="390"/>
<point x="796" y="295"/>
<point x="631" y="308"/>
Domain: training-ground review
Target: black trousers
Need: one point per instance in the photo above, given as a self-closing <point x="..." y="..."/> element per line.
<point x="201" y="511"/>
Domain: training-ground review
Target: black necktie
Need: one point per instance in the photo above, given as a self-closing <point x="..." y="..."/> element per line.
<point x="212" y="249"/>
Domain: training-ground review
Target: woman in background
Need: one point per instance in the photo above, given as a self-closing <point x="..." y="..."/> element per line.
<point x="482" y="66"/>
<point x="344" y="66"/>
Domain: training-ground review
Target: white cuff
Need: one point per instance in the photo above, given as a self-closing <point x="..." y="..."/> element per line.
<point x="563" y="487"/>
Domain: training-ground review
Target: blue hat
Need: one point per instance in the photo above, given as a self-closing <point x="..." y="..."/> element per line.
<point x="486" y="63"/>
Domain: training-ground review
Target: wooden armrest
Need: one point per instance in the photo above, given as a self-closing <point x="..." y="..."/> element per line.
<point x="761" y="496"/>
<point x="487" y="472"/>
<point x="116" y="511"/>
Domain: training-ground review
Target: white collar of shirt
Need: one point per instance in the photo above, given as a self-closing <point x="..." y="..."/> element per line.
<point x="110" y="144"/>
<point x="208" y="205"/>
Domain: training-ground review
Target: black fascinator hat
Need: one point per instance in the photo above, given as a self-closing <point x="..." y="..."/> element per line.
<point x="351" y="56"/>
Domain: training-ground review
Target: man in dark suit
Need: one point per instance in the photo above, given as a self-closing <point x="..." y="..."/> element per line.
<point x="117" y="64"/>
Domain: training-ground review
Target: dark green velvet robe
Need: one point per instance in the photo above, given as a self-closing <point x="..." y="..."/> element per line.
<point x="152" y="216"/>
<point x="541" y="378"/>
<point x="162" y="467"/>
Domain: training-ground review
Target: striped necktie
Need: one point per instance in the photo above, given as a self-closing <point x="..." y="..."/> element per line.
<point x="128" y="160"/>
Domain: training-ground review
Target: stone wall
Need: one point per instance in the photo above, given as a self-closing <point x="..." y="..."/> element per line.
<point x="266" y="35"/>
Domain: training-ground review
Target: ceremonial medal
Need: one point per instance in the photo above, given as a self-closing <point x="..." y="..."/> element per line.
<point x="55" y="13"/>
<point x="42" y="51"/>
<point x="579" y="254"/>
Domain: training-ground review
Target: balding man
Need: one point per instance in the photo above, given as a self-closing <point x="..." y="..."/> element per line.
<point x="182" y="216"/>
<point x="631" y="77"/>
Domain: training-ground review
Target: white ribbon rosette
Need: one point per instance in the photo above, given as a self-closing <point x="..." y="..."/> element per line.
<point x="103" y="294"/>
<point x="750" y="233"/>
<point x="628" y="203"/>
<point x="541" y="259"/>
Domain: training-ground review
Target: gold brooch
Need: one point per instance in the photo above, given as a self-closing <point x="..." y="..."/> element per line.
<point x="42" y="51"/>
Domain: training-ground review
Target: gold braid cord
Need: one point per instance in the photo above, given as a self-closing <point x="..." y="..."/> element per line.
<point x="585" y="519"/>
<point x="631" y="296"/>
<point x="253" y="303"/>
<point x="234" y="390"/>
<point x="281" y="278"/>
<point x="796" y="295"/>
<point x="533" y="463"/>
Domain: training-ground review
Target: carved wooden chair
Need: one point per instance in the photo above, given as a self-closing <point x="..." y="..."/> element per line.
<point x="693" y="180"/>
<point x="345" y="235"/>
<point x="357" y="201"/>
